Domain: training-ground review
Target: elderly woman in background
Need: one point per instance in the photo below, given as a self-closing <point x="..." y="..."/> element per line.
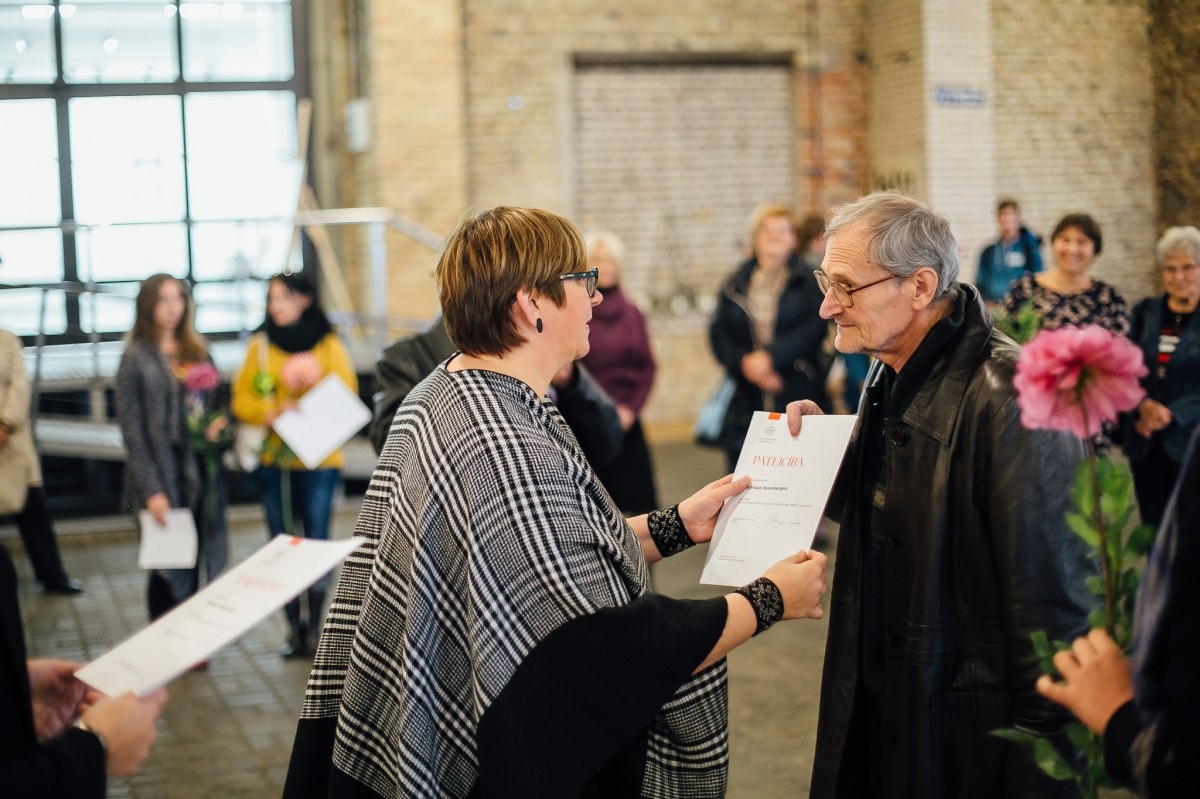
<point x="1167" y="330"/>
<point x="767" y="332"/>
<point x="162" y="351"/>
<point x="496" y="634"/>
<point x="621" y="361"/>
<point x="1065" y="295"/>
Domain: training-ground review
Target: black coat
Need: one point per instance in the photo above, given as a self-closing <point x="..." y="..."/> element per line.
<point x="71" y="764"/>
<point x="1179" y="387"/>
<point x="795" y="350"/>
<point x="977" y="556"/>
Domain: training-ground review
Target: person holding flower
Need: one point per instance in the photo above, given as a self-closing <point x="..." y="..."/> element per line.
<point x="1167" y="329"/>
<point x="167" y="400"/>
<point x="952" y="550"/>
<point x="294" y="349"/>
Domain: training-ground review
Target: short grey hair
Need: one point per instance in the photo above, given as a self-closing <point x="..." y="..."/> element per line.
<point x="1178" y="239"/>
<point x="905" y="235"/>
<point x="606" y="239"/>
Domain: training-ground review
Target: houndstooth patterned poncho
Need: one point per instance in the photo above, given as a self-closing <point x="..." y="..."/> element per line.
<point x="495" y="635"/>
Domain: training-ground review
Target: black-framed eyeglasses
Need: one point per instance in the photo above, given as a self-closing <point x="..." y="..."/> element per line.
<point x="841" y="292"/>
<point x="590" y="279"/>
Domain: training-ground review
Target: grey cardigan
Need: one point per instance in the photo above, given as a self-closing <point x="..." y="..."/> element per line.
<point x="150" y="411"/>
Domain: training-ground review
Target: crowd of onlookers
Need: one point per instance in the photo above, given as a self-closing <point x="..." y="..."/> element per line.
<point x="481" y="588"/>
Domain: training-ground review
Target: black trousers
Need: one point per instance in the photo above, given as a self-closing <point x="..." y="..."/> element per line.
<point x="37" y="532"/>
<point x="1153" y="480"/>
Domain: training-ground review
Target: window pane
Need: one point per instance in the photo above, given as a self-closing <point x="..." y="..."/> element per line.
<point x="110" y="312"/>
<point x="131" y="252"/>
<point x="31" y="256"/>
<point x="120" y="43"/>
<point x="20" y="308"/>
<point x="27" y="44"/>
<point x="29" y="159"/>
<point x="225" y="307"/>
<point x="242" y="155"/>
<point x="236" y="41"/>
<point x="127" y="157"/>
<point x="226" y="251"/>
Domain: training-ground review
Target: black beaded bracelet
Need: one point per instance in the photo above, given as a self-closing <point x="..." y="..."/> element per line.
<point x="667" y="532"/>
<point x="766" y="600"/>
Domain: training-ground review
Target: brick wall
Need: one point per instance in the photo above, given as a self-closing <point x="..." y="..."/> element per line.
<point x="677" y="180"/>
<point x="1073" y="124"/>
<point x="476" y="104"/>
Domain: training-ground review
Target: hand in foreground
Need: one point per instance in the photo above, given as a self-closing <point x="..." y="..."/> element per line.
<point x="1096" y="680"/>
<point x="799" y="408"/>
<point x="128" y="727"/>
<point x="699" y="511"/>
<point x="800" y="579"/>
<point x="56" y="694"/>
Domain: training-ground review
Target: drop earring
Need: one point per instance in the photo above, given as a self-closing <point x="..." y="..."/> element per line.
<point x="539" y="324"/>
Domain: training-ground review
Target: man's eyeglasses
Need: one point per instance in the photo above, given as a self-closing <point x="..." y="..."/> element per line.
<point x="590" y="278"/>
<point x="841" y="292"/>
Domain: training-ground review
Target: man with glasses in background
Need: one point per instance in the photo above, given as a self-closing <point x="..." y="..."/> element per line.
<point x="952" y="548"/>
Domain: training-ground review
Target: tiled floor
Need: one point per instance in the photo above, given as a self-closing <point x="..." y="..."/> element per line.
<point x="227" y="731"/>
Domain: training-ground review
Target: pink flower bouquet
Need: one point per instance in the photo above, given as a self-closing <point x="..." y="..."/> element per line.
<point x="201" y="378"/>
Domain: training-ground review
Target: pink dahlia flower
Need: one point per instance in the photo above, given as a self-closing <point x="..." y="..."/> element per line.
<point x="201" y="378"/>
<point x="1075" y="378"/>
<point x="302" y="371"/>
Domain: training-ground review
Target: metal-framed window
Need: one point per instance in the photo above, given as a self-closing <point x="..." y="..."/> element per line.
<point x="145" y="136"/>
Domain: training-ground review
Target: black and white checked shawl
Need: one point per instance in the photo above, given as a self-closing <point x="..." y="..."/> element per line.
<point x="486" y="531"/>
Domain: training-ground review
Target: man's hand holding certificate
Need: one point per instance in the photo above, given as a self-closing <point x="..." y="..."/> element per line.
<point x="790" y="481"/>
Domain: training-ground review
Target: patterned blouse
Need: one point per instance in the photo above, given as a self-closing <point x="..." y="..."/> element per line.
<point x="1098" y="304"/>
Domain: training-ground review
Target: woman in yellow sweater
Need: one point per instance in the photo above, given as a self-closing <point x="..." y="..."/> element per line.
<point x="301" y="349"/>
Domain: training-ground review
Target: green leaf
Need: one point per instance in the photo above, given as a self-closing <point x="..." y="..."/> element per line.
<point x="1015" y="735"/>
<point x="1097" y="618"/>
<point x="1082" y="527"/>
<point x="1051" y="761"/>
<point x="1041" y="644"/>
<point x="1139" y="541"/>
<point x="1083" y="738"/>
<point x="1095" y="584"/>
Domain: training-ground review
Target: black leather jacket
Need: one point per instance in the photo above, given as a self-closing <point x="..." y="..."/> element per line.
<point x="977" y="556"/>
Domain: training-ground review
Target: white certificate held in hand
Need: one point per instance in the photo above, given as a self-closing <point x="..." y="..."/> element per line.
<point x="324" y="419"/>
<point x="790" y="481"/>
<point x="167" y="546"/>
<point x="227" y="608"/>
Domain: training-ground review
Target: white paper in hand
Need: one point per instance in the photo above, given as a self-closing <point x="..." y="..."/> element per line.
<point x="169" y="546"/>
<point x="226" y="608"/>
<point x="790" y="481"/>
<point x="324" y="419"/>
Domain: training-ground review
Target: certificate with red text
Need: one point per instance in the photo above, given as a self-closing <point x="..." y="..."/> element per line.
<point x="790" y="481"/>
<point x="226" y="609"/>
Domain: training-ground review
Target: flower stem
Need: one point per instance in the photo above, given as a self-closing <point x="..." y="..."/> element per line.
<point x="1110" y="579"/>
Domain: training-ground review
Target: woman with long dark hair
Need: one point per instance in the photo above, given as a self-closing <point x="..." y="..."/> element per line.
<point x="294" y="349"/>
<point x="166" y="374"/>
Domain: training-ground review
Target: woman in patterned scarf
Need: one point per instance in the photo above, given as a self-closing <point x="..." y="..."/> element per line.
<point x="496" y="635"/>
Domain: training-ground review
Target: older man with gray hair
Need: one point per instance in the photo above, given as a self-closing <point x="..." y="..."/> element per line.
<point x="952" y="547"/>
